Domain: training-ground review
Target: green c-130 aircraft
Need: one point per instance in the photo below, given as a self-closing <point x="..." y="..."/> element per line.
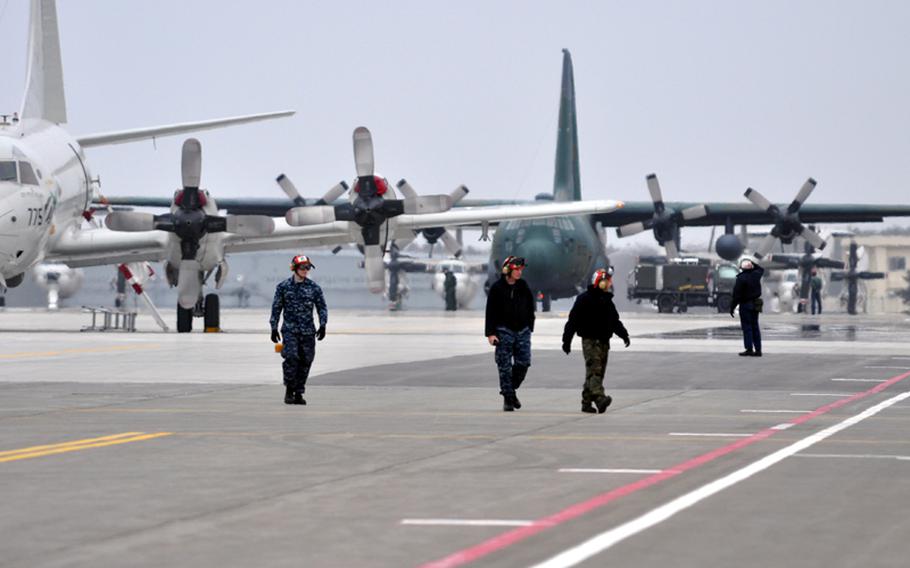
<point x="563" y="252"/>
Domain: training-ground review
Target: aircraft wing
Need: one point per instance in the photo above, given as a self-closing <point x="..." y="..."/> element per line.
<point x="123" y="136"/>
<point x="748" y="214"/>
<point x="475" y="215"/>
<point x="96" y="247"/>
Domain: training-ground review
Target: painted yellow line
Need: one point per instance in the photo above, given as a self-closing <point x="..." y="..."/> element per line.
<point x="77" y="351"/>
<point x="48" y="450"/>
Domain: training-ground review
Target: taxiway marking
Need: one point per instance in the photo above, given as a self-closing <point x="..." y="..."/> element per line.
<point x="856" y="456"/>
<point x="519" y="534"/>
<point x="709" y="434"/>
<point x="860" y="380"/>
<point x="839" y="394"/>
<point x="606" y="539"/>
<point x="76" y="445"/>
<point x="466" y="522"/>
<point x="759" y="411"/>
<point x="74" y="351"/>
<point x="595" y="470"/>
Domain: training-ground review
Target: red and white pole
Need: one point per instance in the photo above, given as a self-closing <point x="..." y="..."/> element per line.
<point x="137" y="287"/>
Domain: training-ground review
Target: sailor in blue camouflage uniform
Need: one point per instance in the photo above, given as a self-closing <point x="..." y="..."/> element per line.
<point x="508" y="326"/>
<point x="297" y="297"/>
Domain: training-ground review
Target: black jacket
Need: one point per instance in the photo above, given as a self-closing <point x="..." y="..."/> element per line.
<point x="748" y="286"/>
<point x="510" y="306"/>
<point x="594" y="316"/>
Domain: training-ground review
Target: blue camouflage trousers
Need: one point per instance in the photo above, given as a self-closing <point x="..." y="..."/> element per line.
<point x="513" y="357"/>
<point x="298" y="352"/>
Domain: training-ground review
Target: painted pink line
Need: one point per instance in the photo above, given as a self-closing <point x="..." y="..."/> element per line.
<point x="513" y="536"/>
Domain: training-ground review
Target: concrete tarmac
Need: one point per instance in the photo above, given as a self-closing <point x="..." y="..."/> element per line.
<point x="151" y="449"/>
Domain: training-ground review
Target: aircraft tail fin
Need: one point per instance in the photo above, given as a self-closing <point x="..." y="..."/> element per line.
<point x="44" y="98"/>
<point x="566" y="181"/>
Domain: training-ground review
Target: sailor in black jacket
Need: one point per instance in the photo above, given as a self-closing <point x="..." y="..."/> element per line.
<point x="508" y="326"/>
<point x="747" y="295"/>
<point x="595" y="319"/>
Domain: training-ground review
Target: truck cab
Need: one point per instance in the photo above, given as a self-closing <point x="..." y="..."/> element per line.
<point x="677" y="283"/>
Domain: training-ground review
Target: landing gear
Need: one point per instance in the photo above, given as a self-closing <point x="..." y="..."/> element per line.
<point x="184" y="319"/>
<point x="211" y="313"/>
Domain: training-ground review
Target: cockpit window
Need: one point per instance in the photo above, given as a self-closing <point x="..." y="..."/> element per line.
<point x="8" y="171"/>
<point x="27" y="174"/>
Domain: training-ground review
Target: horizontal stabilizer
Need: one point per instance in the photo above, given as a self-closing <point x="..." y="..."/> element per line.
<point x="123" y="136"/>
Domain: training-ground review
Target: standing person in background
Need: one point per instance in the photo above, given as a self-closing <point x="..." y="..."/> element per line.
<point x="815" y="285"/>
<point x="297" y="297"/>
<point x="594" y="318"/>
<point x="449" y="285"/>
<point x="508" y="327"/>
<point x="747" y="295"/>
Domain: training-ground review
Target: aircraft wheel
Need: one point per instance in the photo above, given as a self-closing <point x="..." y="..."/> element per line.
<point x="184" y="320"/>
<point x="723" y="304"/>
<point x="211" y="313"/>
<point x="665" y="304"/>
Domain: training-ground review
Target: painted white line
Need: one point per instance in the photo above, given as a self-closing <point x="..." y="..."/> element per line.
<point x="591" y="470"/>
<point x="860" y="380"/>
<point x="886" y="367"/>
<point x="758" y="411"/>
<point x="837" y="394"/>
<point x="466" y="522"/>
<point x="783" y="426"/>
<point x="606" y="539"/>
<point x="855" y="456"/>
<point x="902" y="358"/>
<point x="710" y="434"/>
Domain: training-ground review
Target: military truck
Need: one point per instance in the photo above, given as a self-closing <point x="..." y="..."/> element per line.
<point x="678" y="283"/>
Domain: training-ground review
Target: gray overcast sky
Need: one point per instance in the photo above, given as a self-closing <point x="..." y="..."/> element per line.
<point x="714" y="96"/>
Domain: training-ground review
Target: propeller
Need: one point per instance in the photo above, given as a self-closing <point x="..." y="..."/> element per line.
<point x="189" y="221"/>
<point x="368" y="207"/>
<point x="787" y="225"/>
<point x="665" y="223"/>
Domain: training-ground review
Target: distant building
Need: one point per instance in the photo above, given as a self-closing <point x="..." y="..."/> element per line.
<point x="883" y="253"/>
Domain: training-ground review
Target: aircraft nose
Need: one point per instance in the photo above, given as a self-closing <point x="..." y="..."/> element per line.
<point x="543" y="263"/>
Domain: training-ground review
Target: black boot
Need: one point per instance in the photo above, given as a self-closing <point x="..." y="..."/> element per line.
<point x="507" y="405"/>
<point x="588" y="407"/>
<point x="288" y="394"/>
<point x="515" y="402"/>
<point x="298" y="398"/>
<point x="746" y="353"/>
<point x="602" y="403"/>
<point x="757" y="354"/>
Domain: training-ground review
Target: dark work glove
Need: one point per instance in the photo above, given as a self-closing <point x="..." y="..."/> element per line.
<point x="320" y="333"/>
<point x="627" y="341"/>
<point x="732" y="311"/>
<point x="276" y="337"/>
<point x="566" y="347"/>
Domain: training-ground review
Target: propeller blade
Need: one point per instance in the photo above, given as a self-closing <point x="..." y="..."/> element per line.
<point x="765" y="246"/>
<point x="405" y="188"/>
<point x="452" y="244"/>
<point x="188" y="284"/>
<point x="812" y="237"/>
<point x="672" y="251"/>
<point x="250" y="225"/>
<point x="130" y="221"/>
<point x="828" y="263"/>
<point x="696" y="212"/>
<point x="630" y="229"/>
<point x="758" y="199"/>
<point x="363" y="151"/>
<point x="803" y="194"/>
<point x="459" y="193"/>
<point x="405" y="241"/>
<point x="290" y="190"/>
<point x="654" y="189"/>
<point x="427" y="204"/>
<point x="313" y="215"/>
<point x="375" y="268"/>
<point x="331" y="195"/>
<point x="191" y="162"/>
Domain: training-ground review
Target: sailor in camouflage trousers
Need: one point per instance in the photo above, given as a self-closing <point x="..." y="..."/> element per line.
<point x="296" y="297"/>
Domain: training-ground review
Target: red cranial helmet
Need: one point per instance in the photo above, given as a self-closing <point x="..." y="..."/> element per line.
<point x="301" y="261"/>
<point x="513" y="263"/>
<point x="601" y="279"/>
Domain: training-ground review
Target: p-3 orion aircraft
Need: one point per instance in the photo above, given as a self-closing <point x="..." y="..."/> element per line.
<point x="46" y="191"/>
